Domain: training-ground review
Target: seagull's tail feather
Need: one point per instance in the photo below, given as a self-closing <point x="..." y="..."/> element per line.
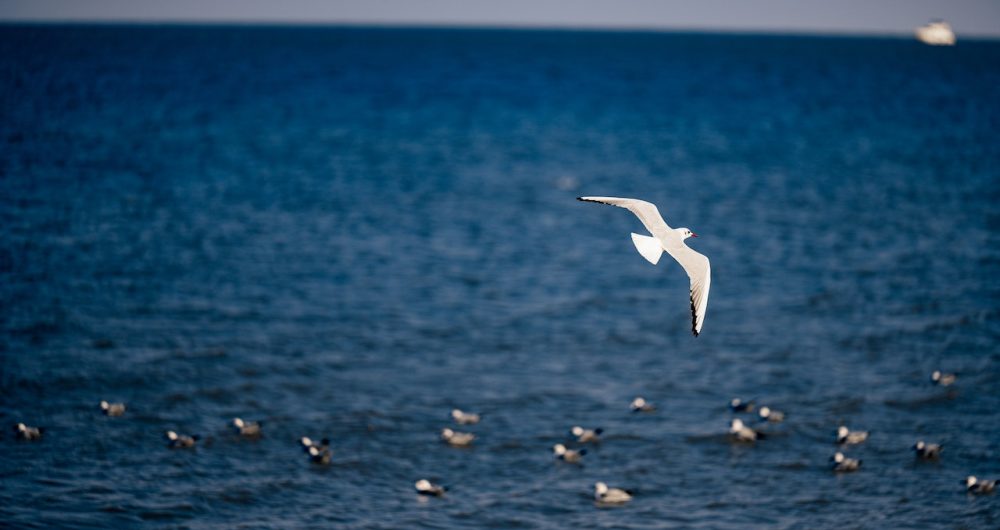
<point x="648" y="246"/>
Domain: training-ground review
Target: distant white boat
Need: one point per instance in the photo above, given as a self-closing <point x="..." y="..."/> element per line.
<point x="936" y="33"/>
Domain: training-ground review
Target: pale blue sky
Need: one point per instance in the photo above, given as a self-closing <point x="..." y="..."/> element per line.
<point x="968" y="17"/>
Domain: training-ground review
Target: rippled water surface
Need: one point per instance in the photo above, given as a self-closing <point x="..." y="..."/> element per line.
<point x="348" y="232"/>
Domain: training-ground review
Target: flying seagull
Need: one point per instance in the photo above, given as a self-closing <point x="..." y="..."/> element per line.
<point x="671" y="241"/>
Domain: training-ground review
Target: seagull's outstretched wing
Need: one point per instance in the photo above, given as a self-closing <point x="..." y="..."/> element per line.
<point x="695" y="264"/>
<point x="645" y="211"/>
<point x="700" y="272"/>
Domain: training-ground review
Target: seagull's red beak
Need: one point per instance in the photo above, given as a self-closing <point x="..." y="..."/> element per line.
<point x="694" y="234"/>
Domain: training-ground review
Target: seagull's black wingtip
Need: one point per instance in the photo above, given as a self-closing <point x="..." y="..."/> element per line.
<point x="581" y="199"/>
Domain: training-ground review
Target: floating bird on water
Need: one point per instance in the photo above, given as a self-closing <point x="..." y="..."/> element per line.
<point x="671" y="241"/>
<point x="927" y="451"/>
<point x="586" y="435"/>
<point x="24" y="432"/>
<point x="112" y="409"/>
<point x="320" y="454"/>
<point x="742" y="433"/>
<point x="464" y="418"/>
<point x="308" y="442"/>
<point x="606" y="495"/>
<point x="940" y="378"/>
<point x="841" y="463"/>
<point x="426" y="487"/>
<point x="738" y="405"/>
<point x="641" y="405"/>
<point x="975" y="485"/>
<point x="847" y="436"/>
<point x="180" y="441"/>
<point x="568" y="455"/>
<point x="458" y="439"/>
<point x="767" y="414"/>
<point x="246" y="428"/>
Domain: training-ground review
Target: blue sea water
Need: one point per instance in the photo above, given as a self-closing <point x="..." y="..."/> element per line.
<point x="347" y="232"/>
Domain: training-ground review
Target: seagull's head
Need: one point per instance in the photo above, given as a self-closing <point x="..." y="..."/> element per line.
<point x="736" y="425"/>
<point x="559" y="449"/>
<point x="936" y="375"/>
<point x="842" y="431"/>
<point x="970" y="481"/>
<point x="686" y="233"/>
<point x="919" y="446"/>
<point x="837" y="457"/>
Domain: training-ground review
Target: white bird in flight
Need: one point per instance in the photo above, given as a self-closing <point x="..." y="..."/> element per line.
<point x="671" y="241"/>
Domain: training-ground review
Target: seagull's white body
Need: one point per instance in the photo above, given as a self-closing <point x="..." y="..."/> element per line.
<point x="568" y="455"/>
<point x="742" y="433"/>
<point x="840" y="463"/>
<point x="112" y="409"/>
<point x="246" y="428"/>
<point x="464" y="418"/>
<point x="180" y="441"/>
<point x="320" y="454"/>
<point x="671" y="241"/>
<point x="849" y="437"/>
<point x="975" y="485"/>
<point x="426" y="487"/>
<point x="770" y="415"/>
<point x="586" y="435"/>
<point x="458" y="439"/>
<point x="639" y="404"/>
<point x="308" y="443"/>
<point x="606" y="495"/>
<point x="927" y="451"/>
<point x="25" y="432"/>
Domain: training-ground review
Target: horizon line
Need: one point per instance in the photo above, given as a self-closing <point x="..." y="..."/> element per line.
<point x="529" y="26"/>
